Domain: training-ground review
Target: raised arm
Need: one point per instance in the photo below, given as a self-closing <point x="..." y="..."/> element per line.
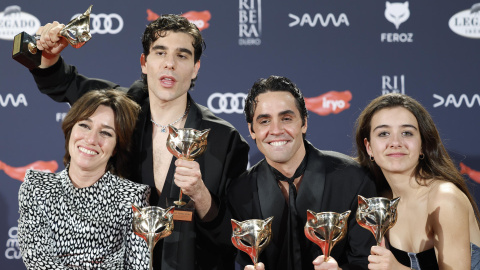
<point x="50" y="43"/>
<point x="54" y="77"/>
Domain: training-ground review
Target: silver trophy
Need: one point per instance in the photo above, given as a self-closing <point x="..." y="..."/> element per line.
<point x="252" y="236"/>
<point x="152" y="223"/>
<point x="325" y="229"/>
<point x="377" y="215"/>
<point x="187" y="144"/>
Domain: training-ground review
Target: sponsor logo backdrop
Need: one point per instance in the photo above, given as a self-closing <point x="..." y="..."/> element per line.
<point x="340" y="53"/>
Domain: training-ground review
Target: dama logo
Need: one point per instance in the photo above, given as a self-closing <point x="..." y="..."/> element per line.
<point x="199" y="18"/>
<point x="10" y="99"/>
<point x="474" y="175"/>
<point x="312" y="22"/>
<point x="451" y="99"/>
<point x="330" y="102"/>
<point x="19" y="172"/>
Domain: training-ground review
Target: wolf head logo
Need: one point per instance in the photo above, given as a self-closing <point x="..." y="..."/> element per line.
<point x="397" y="13"/>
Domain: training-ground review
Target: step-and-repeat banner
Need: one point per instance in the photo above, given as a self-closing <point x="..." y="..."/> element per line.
<point x="341" y="54"/>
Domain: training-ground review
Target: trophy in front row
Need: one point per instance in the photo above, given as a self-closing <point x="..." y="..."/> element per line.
<point x="377" y="215"/>
<point x="325" y="229"/>
<point x="187" y="144"/>
<point x="76" y="32"/>
<point x="252" y="236"/>
<point x="152" y="223"/>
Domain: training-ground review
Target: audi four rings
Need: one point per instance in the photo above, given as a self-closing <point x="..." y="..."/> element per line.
<point x="102" y="23"/>
<point x="219" y="102"/>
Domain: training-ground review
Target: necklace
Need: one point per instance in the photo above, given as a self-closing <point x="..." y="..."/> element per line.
<point x="164" y="128"/>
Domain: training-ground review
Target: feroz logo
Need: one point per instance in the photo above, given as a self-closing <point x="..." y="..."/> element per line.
<point x="199" y="18"/>
<point x="330" y="102"/>
<point x="393" y="84"/>
<point x="14" y="21"/>
<point x="59" y="116"/>
<point x="457" y="103"/>
<point x="104" y="23"/>
<point x="312" y="22"/>
<point x="13" y="251"/>
<point x="466" y="23"/>
<point x="10" y="99"/>
<point x="397" y="13"/>
<point x="249" y="22"/>
<point x="226" y="102"/>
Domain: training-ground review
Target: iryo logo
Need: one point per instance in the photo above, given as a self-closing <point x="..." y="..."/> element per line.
<point x="451" y="99"/>
<point x="330" y="102"/>
<point x="19" y="172"/>
<point x="474" y="175"/>
<point x="199" y="18"/>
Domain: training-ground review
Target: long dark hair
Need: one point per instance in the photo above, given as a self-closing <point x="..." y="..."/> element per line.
<point x="126" y="113"/>
<point x="436" y="164"/>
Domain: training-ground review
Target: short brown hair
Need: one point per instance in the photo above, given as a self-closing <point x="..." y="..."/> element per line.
<point x="126" y="113"/>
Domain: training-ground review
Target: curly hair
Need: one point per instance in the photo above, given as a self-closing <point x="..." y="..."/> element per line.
<point x="273" y="84"/>
<point x="177" y="24"/>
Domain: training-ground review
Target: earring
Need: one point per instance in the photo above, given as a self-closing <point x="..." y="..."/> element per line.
<point x="372" y="158"/>
<point x="422" y="156"/>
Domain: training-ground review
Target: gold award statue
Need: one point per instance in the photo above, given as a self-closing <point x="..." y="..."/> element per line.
<point x="152" y="223"/>
<point x="187" y="144"/>
<point x="377" y="215"/>
<point x="325" y="229"/>
<point x="252" y="236"/>
<point x="76" y="32"/>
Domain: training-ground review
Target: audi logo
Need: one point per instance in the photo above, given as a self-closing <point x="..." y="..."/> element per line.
<point x="226" y="102"/>
<point x="103" y="23"/>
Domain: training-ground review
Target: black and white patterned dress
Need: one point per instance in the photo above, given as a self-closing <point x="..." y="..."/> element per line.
<point x="64" y="227"/>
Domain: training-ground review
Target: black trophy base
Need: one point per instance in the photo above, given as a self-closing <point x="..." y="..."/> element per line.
<point x="25" y="51"/>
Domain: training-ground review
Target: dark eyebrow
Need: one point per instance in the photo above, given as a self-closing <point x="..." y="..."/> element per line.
<point x="386" y="126"/>
<point x="286" y="112"/>
<point x="161" y="47"/>
<point x="266" y="115"/>
<point x="260" y="116"/>
<point x="104" y="126"/>
<point x="108" y="127"/>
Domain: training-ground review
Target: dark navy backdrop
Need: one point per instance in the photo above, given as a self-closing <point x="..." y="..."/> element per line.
<point x="340" y="53"/>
